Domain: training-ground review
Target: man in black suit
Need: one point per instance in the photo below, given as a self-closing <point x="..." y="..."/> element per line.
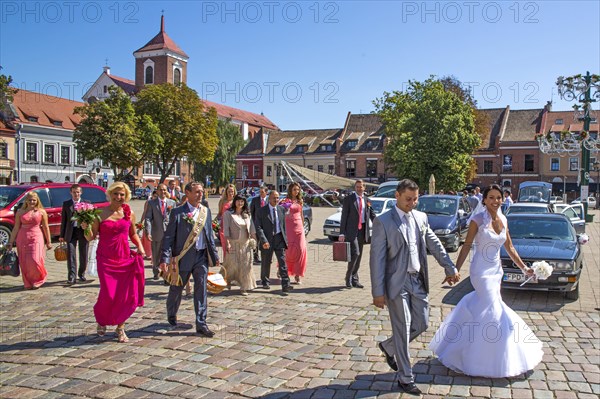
<point x="270" y="229"/>
<point x="255" y="205"/>
<point x="355" y="227"/>
<point x="73" y="236"/>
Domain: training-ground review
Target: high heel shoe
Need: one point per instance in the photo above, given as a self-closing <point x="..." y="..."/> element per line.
<point x="101" y="330"/>
<point x="121" y="336"/>
<point x="188" y="290"/>
<point x="297" y="279"/>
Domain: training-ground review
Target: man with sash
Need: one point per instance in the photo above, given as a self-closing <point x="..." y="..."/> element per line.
<point x="187" y="245"/>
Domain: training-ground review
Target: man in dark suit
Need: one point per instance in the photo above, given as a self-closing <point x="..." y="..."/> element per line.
<point x="255" y="205"/>
<point x="355" y="227"/>
<point x="157" y="218"/>
<point x="73" y="236"/>
<point x="174" y="191"/>
<point x="270" y="229"/>
<point x="195" y="261"/>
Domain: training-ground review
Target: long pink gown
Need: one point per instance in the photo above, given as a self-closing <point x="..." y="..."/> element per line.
<point x="31" y="250"/>
<point x="295" y="255"/>
<point x="121" y="274"/>
<point x="226" y="207"/>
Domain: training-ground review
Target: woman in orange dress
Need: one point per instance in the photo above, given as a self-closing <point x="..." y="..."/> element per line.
<point x="295" y="255"/>
<point x="32" y="234"/>
<point x="225" y="204"/>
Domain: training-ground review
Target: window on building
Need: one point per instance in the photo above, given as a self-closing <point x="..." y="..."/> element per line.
<point x="49" y="153"/>
<point x="529" y="167"/>
<point x="280" y="149"/>
<point x="177" y="76"/>
<point x="330" y="169"/>
<point x="507" y="165"/>
<point x="80" y="159"/>
<point x="301" y="149"/>
<point x="371" y="144"/>
<point x="311" y="167"/>
<point x="350" y="168"/>
<point x="33" y="119"/>
<point x="594" y="120"/>
<point x="351" y="143"/>
<point x="326" y="147"/>
<point x="559" y="122"/>
<point x="149" y="75"/>
<point x="371" y="167"/>
<point x="255" y="171"/>
<point x="555" y="164"/>
<point x="31" y="152"/>
<point x="105" y="89"/>
<point x="3" y="149"/>
<point x="65" y="155"/>
<point x="488" y="166"/>
<point x="320" y="168"/>
<point x="57" y="123"/>
<point x="245" y="171"/>
<point x="269" y="171"/>
<point x="573" y="163"/>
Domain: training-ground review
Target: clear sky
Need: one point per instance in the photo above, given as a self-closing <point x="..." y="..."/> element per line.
<point x="306" y="64"/>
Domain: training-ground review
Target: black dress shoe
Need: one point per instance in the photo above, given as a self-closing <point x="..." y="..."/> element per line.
<point x="389" y="359"/>
<point x="172" y="321"/>
<point x="155" y="277"/>
<point x="71" y="281"/>
<point x="358" y="285"/>
<point x="348" y="284"/>
<point x="205" y="331"/>
<point x="82" y="278"/>
<point x="410" y="388"/>
<point x="266" y="287"/>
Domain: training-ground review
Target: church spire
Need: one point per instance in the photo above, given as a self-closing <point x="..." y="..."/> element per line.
<point x="162" y="22"/>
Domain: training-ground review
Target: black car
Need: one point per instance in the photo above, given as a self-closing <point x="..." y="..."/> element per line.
<point x="306" y="212"/>
<point x="448" y="216"/>
<point x="549" y="237"/>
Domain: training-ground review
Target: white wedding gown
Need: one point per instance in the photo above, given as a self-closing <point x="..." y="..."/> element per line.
<point x="482" y="336"/>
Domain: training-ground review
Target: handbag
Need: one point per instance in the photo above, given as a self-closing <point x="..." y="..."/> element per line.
<point x="341" y="251"/>
<point x="60" y="252"/>
<point x="9" y="264"/>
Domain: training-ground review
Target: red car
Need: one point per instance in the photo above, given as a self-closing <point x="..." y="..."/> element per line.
<point x="52" y="196"/>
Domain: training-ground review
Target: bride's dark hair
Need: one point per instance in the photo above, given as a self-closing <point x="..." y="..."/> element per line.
<point x="490" y="188"/>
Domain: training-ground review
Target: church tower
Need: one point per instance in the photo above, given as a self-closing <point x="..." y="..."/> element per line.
<point x="160" y="61"/>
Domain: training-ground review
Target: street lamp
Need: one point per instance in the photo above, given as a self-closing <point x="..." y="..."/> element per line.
<point x="578" y="88"/>
<point x="596" y="166"/>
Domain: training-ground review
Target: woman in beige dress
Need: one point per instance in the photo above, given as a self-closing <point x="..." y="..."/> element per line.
<point x="238" y="232"/>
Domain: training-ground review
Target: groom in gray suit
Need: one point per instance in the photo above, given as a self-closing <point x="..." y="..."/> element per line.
<point x="399" y="276"/>
<point x="195" y="261"/>
<point x="157" y="219"/>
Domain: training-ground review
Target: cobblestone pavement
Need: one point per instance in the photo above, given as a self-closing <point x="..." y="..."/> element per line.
<point x="319" y="342"/>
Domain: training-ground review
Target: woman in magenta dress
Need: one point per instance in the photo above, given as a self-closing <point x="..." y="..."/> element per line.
<point x="295" y="255"/>
<point x="31" y="232"/>
<point x="120" y="270"/>
<point x="225" y="204"/>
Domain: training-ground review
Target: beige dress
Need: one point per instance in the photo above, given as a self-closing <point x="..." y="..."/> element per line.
<point x="238" y="262"/>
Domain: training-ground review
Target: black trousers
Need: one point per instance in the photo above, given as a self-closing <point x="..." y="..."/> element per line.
<point x="77" y="239"/>
<point x="200" y="271"/>
<point x="277" y="246"/>
<point x="356" y="250"/>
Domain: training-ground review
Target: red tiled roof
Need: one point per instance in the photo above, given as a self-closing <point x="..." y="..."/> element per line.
<point x="162" y="41"/>
<point x="251" y="118"/>
<point x="47" y="109"/>
<point x="127" y="85"/>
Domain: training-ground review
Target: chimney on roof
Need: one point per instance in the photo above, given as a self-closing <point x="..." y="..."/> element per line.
<point x="548" y="106"/>
<point x="162" y="23"/>
<point x="106" y="70"/>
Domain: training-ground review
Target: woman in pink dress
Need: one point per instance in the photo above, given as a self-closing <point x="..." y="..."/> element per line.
<point x="120" y="270"/>
<point x="225" y="204"/>
<point x="295" y="255"/>
<point x="31" y="232"/>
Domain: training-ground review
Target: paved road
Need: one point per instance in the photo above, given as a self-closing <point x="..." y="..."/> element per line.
<point x="320" y="342"/>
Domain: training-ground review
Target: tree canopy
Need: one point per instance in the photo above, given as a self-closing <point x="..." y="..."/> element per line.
<point x="6" y="91"/>
<point x="222" y="167"/>
<point x="432" y="130"/>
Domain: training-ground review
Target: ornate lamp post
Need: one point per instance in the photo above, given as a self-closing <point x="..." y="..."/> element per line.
<point x="585" y="90"/>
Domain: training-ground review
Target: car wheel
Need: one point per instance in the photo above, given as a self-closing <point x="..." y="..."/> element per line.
<point x="333" y="238"/>
<point x="456" y="243"/>
<point x="306" y="227"/>
<point x="4" y="234"/>
<point x="573" y="295"/>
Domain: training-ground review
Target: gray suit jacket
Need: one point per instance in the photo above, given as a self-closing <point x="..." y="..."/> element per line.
<point x="156" y="223"/>
<point x="177" y="233"/>
<point x="265" y="225"/>
<point x="390" y="253"/>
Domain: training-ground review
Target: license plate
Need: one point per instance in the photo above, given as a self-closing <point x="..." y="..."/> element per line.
<point x="517" y="278"/>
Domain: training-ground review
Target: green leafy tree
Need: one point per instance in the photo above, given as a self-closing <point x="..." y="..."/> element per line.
<point x="6" y="91"/>
<point x="186" y="128"/>
<point x="111" y="131"/>
<point x="222" y="167"/>
<point x="431" y="131"/>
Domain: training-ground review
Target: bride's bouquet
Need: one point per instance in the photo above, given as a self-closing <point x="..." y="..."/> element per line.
<point x="541" y="271"/>
<point x="85" y="212"/>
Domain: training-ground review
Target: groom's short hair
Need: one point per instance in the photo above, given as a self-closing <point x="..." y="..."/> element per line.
<point x="191" y="185"/>
<point x="406" y="184"/>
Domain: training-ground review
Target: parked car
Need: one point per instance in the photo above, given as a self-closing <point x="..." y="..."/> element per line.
<point x="306" y="212"/>
<point x="387" y="189"/>
<point x="591" y="201"/>
<point x="331" y="227"/>
<point x="548" y="237"/>
<point x="574" y="215"/>
<point x="448" y="215"/>
<point x="556" y="199"/>
<point x="140" y="193"/>
<point x="529" y="207"/>
<point x="52" y="196"/>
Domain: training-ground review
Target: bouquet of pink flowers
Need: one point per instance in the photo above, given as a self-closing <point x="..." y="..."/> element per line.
<point x="85" y="213"/>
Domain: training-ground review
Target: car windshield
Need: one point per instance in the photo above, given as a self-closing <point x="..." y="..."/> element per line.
<point x="437" y="206"/>
<point x="543" y="228"/>
<point x="377" y="206"/>
<point x="526" y="209"/>
<point x="534" y="193"/>
<point x="386" y="192"/>
<point x="8" y="195"/>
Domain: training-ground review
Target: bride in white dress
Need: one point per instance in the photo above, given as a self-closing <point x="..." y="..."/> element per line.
<point x="482" y="336"/>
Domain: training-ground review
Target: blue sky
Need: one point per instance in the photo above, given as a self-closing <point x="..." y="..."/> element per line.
<point x="306" y="64"/>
